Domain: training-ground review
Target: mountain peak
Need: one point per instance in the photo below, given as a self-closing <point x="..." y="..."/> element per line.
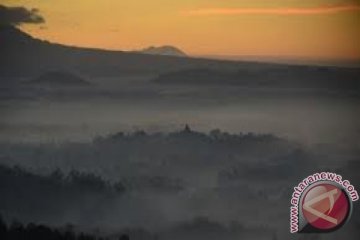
<point x="166" y="50"/>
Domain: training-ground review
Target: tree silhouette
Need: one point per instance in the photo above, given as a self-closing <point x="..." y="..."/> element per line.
<point x="124" y="237"/>
<point x="3" y="229"/>
<point x="18" y="231"/>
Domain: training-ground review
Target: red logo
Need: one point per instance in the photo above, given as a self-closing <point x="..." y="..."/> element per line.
<point x="325" y="207"/>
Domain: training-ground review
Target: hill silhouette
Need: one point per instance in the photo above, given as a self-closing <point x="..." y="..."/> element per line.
<point x="59" y="79"/>
<point x="25" y="56"/>
<point x="164" y="50"/>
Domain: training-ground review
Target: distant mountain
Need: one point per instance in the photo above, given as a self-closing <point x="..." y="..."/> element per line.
<point x="11" y="33"/>
<point x="164" y="50"/>
<point x="25" y="56"/>
<point x="59" y="79"/>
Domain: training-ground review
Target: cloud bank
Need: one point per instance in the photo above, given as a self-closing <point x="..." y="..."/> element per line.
<point x="274" y="11"/>
<point x="19" y="15"/>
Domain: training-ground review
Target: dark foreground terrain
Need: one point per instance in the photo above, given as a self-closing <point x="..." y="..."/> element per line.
<point x="180" y="185"/>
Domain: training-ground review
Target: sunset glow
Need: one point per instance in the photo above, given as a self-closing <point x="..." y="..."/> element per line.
<point x="319" y="29"/>
<point x="275" y="11"/>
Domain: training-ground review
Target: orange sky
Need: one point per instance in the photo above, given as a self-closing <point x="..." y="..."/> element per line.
<point x="316" y="29"/>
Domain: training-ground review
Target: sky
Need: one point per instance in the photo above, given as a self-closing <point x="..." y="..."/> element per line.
<point x="296" y="29"/>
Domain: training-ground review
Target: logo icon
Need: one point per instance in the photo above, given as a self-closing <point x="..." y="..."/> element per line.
<point x="325" y="207"/>
<point x="321" y="202"/>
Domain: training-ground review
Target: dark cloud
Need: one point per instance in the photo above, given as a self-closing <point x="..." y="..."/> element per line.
<point x="19" y="15"/>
